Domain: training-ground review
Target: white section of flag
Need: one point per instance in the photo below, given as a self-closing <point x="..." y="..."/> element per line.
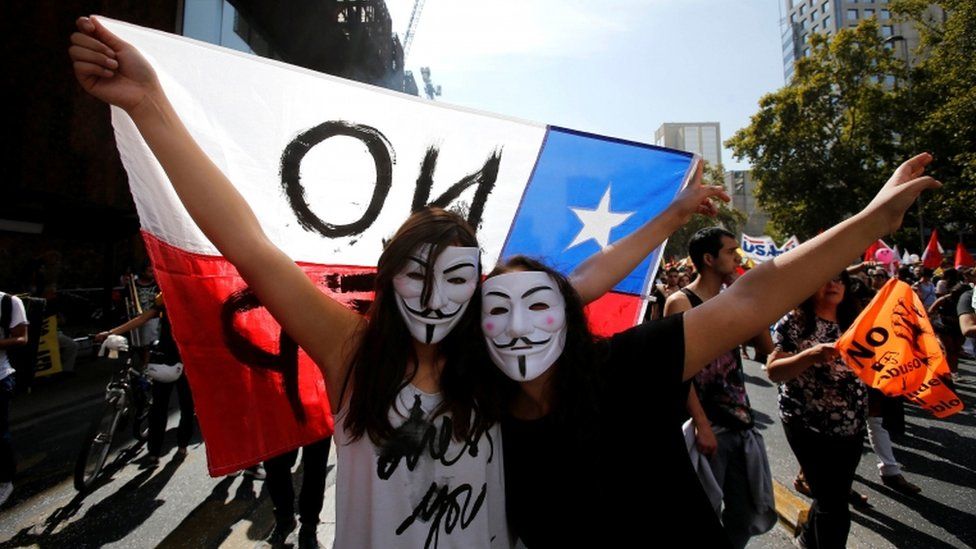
<point x="244" y="110"/>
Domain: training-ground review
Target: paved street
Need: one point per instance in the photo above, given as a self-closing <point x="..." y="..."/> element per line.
<point x="938" y="455"/>
<point x="177" y="504"/>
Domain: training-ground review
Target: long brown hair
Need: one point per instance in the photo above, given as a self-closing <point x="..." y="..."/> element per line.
<point x="575" y="386"/>
<point x="380" y="366"/>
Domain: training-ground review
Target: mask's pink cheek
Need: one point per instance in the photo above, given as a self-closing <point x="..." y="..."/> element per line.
<point x="489" y="327"/>
<point x="550" y="320"/>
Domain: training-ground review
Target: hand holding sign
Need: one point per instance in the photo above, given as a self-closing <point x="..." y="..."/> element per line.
<point x="822" y="352"/>
<point x="108" y="67"/>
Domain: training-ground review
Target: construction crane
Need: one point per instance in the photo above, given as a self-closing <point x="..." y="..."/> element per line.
<point x="418" y="6"/>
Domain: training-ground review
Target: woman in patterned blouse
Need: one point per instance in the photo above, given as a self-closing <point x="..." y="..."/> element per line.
<point x="823" y="406"/>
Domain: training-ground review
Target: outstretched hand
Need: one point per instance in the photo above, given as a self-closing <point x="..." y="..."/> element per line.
<point x="699" y="198"/>
<point x="108" y="67"/>
<point x="909" y="180"/>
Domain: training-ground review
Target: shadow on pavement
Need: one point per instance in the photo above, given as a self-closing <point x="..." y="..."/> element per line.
<point x="762" y="420"/>
<point x="955" y="451"/>
<point x="960" y="523"/>
<point x="757" y="380"/>
<point x="896" y="532"/>
<point x="210" y="522"/>
<point x="109" y="520"/>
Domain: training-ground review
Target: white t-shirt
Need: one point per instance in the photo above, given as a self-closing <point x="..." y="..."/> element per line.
<point x="422" y="489"/>
<point x="18" y="316"/>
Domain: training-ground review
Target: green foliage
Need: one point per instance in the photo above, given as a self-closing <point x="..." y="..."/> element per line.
<point x="821" y="146"/>
<point x="940" y="95"/>
<point x="729" y="218"/>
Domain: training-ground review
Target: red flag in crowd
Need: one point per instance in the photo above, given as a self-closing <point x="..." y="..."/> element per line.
<point x="932" y="256"/>
<point x="963" y="257"/>
<point x="869" y="253"/>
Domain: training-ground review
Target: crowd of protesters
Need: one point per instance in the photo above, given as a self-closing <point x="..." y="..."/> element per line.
<point x="826" y="410"/>
<point x="553" y="406"/>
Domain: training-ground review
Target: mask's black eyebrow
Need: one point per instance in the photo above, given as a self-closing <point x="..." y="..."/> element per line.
<point x="459" y="266"/>
<point x="499" y="294"/>
<point x="534" y="290"/>
<point x="418" y="260"/>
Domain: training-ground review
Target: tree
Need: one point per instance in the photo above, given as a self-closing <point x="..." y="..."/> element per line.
<point x="940" y="94"/>
<point x="729" y="218"/>
<point x="821" y="146"/>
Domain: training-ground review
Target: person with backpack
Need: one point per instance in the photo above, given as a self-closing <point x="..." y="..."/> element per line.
<point x="13" y="333"/>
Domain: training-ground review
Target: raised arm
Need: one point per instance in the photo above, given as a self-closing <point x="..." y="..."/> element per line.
<point x="603" y="270"/>
<point x="115" y="72"/>
<point x="771" y="289"/>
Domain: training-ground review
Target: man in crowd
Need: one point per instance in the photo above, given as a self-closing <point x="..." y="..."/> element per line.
<point x="966" y="308"/>
<point x="925" y="288"/>
<point x="717" y="401"/>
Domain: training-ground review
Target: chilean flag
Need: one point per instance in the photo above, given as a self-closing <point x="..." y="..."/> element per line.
<point x="331" y="169"/>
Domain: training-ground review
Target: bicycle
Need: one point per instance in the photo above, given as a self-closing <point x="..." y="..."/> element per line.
<point x="127" y="396"/>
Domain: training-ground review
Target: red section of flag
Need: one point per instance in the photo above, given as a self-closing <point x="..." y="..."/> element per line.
<point x="932" y="256"/>
<point x="963" y="257"/>
<point x="240" y="381"/>
<point x="248" y="398"/>
<point x="613" y="313"/>
<point x="869" y="253"/>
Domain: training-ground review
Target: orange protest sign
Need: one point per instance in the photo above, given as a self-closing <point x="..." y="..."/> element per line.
<point x="892" y="348"/>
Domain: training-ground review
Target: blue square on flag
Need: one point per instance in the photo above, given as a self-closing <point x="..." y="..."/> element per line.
<point x="587" y="192"/>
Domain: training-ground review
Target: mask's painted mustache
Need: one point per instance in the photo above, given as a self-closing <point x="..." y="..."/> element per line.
<point x="435" y="314"/>
<point x="515" y="341"/>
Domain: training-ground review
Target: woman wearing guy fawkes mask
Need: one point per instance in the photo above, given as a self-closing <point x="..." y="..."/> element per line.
<point x="419" y="465"/>
<point x="594" y="453"/>
<point x="584" y="429"/>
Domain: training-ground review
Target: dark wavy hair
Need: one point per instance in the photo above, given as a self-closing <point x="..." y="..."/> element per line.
<point x="847" y="309"/>
<point x="575" y="387"/>
<point x="380" y="367"/>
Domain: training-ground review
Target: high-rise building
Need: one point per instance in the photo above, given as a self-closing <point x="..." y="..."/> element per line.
<point x="703" y="138"/>
<point x="741" y="187"/>
<point x="65" y="207"/>
<point x="805" y="17"/>
<point x="348" y="38"/>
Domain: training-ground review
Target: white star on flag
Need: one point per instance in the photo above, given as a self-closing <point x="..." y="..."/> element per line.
<point x="598" y="223"/>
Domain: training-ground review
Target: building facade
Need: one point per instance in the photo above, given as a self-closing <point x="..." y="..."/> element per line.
<point x="741" y="187"/>
<point x="702" y="138"/>
<point x="803" y="18"/>
<point x="353" y="39"/>
<point x="66" y="216"/>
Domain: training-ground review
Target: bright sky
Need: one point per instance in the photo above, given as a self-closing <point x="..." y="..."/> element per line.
<point x="619" y="68"/>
